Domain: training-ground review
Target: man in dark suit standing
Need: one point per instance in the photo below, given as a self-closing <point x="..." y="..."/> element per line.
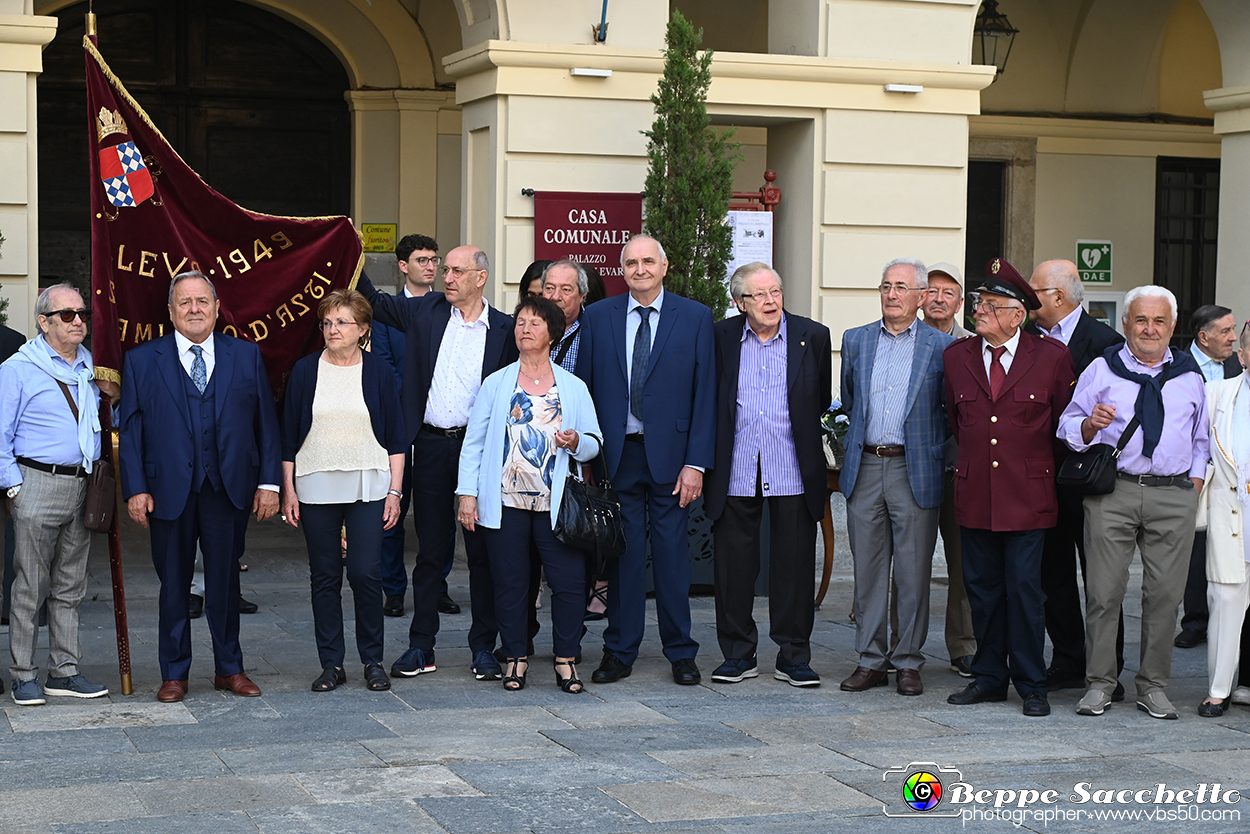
<point x="198" y="484"/>
<point x="774" y="381"/>
<point x="454" y="340"/>
<point x="418" y="262"/>
<point x="1057" y="284"/>
<point x="1214" y="346"/>
<point x="1005" y="392"/>
<point x="649" y="360"/>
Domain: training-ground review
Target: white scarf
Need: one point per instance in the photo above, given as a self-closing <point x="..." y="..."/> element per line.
<point x="37" y="353"/>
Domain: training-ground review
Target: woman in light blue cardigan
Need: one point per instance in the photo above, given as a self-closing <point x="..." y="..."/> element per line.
<point x="529" y="419"/>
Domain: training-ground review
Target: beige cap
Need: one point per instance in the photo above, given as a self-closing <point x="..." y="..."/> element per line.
<point x="949" y="270"/>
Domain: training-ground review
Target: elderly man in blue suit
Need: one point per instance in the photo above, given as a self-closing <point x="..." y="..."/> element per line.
<point x="649" y="359"/>
<point x="893" y="474"/>
<point x="199" y="449"/>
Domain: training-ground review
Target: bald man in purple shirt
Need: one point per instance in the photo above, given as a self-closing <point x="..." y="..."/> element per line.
<point x="1159" y="476"/>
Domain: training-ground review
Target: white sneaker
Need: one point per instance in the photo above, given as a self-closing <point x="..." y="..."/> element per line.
<point x="1241" y="695"/>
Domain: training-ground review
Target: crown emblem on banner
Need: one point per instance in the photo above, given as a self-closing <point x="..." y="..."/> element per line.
<point x="994" y="266"/>
<point x="108" y="123"/>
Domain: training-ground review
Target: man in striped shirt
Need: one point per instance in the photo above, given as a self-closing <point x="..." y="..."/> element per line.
<point x="774" y="372"/>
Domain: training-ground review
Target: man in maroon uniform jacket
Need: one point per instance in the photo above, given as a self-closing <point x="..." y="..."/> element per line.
<point x="1005" y="391"/>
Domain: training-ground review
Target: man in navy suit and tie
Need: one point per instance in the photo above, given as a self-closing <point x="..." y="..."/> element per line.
<point x="649" y="360"/>
<point x="894" y="474"/>
<point x="453" y="341"/>
<point x="199" y="449"/>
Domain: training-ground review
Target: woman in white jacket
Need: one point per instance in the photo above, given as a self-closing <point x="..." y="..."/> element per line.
<point x="1228" y="526"/>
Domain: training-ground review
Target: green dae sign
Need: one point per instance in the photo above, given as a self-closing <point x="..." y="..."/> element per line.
<point x="1093" y="261"/>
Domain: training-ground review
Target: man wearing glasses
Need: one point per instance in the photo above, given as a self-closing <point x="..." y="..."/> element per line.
<point x="1005" y="391"/>
<point x="49" y="443"/>
<point x="457" y="340"/>
<point x="893" y="474"/>
<point x="775" y="374"/>
<point x="418" y="260"/>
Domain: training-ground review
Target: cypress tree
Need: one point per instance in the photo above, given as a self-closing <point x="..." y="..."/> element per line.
<point x="690" y="177"/>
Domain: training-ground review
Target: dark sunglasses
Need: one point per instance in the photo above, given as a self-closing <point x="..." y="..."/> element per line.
<point x="68" y="315"/>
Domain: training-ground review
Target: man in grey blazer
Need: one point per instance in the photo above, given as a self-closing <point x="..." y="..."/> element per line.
<point x="893" y="475"/>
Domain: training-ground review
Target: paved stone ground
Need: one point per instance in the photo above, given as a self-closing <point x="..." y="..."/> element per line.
<point x="443" y="752"/>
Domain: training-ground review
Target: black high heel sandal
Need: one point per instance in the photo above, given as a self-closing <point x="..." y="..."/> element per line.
<point x="512" y="681"/>
<point x="572" y="684"/>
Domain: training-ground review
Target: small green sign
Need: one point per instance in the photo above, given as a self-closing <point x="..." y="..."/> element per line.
<point x="1093" y="261"/>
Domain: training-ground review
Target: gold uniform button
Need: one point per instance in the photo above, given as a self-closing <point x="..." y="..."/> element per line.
<point x="994" y="464"/>
<point x="993" y="441"/>
<point x="993" y="419"/>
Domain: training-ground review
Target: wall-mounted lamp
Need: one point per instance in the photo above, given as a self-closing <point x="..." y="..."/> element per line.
<point x="904" y="88"/>
<point x="590" y="72"/>
<point x="992" y="36"/>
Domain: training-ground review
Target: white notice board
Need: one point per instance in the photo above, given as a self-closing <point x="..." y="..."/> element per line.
<point x="752" y="241"/>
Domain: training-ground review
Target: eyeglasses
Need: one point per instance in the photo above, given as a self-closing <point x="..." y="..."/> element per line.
<point x="423" y="261"/>
<point x="68" y="315"/>
<point x="901" y="289"/>
<point x="339" y="323"/>
<point x="762" y="296"/>
<point x="457" y="271"/>
<point x="987" y="307"/>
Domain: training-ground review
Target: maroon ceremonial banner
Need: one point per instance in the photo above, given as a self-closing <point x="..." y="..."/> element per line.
<point x="152" y="217"/>
<point x="588" y="227"/>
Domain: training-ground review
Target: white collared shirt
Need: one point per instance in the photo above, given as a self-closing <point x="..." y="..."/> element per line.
<point x="1064" y="329"/>
<point x="1212" y="369"/>
<point x="1011" y="344"/>
<point x="458" y="370"/>
<point x="633" y="320"/>
<point x="186" y="357"/>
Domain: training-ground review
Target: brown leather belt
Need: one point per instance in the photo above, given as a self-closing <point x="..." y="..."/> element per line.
<point x="886" y="451"/>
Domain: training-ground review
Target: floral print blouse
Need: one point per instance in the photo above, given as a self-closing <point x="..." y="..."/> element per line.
<point x="529" y="456"/>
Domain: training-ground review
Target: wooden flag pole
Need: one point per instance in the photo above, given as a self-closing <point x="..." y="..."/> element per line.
<point x="115" y="559"/>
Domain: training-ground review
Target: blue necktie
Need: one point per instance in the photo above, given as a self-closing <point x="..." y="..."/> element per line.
<point x="642" y="355"/>
<point x="199" y="370"/>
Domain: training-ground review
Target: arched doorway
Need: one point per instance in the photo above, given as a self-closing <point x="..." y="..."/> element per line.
<point x="252" y="102"/>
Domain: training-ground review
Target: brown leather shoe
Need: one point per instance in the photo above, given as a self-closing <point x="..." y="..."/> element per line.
<point x="909" y="682"/>
<point x="865" y="678"/>
<point x="171" y="691"/>
<point x="238" y="684"/>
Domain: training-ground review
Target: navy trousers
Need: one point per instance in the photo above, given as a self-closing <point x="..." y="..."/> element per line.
<point x="322" y="525"/>
<point x="394" y="573"/>
<point x="436" y="466"/>
<point x="219" y="526"/>
<point x="1003" y="574"/>
<point x="509" y="548"/>
<point x="643" y="500"/>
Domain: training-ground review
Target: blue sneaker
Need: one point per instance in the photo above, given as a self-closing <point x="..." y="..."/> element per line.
<point x="800" y="674"/>
<point x="486" y="667"/>
<point x="733" y="671"/>
<point x="413" y="662"/>
<point x="75" y="686"/>
<point x="28" y="693"/>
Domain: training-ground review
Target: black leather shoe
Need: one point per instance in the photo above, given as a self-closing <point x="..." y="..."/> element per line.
<point x="974" y="694"/>
<point x="611" y="669"/>
<point x="447" y="605"/>
<point x="1036" y="705"/>
<point x="246" y="607"/>
<point x="196" y="609"/>
<point x="1064" y="677"/>
<point x="1189" y="638"/>
<point x="1118" y="695"/>
<point x="685" y="672"/>
<point x="1208" y="709"/>
<point x="394" y="606"/>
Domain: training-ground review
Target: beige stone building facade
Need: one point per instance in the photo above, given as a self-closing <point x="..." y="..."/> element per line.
<point x="1118" y="120"/>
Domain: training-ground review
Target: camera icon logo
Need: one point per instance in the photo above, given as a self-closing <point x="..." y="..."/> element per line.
<point x="922" y="786"/>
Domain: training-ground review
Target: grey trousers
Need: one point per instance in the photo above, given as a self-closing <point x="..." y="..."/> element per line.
<point x="50" y="563"/>
<point x="1159" y="521"/>
<point x="885" y="525"/>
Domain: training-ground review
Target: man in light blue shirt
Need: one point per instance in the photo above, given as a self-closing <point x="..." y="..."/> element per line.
<point x="49" y="443"/>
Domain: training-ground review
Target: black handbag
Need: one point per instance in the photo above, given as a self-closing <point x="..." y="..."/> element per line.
<point x="1092" y="472"/>
<point x="590" y="519"/>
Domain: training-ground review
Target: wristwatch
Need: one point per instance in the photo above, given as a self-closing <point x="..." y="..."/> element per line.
<point x="13" y="491"/>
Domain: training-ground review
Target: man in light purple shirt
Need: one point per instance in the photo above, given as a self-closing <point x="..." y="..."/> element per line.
<point x="1159" y="476"/>
<point x="775" y="375"/>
